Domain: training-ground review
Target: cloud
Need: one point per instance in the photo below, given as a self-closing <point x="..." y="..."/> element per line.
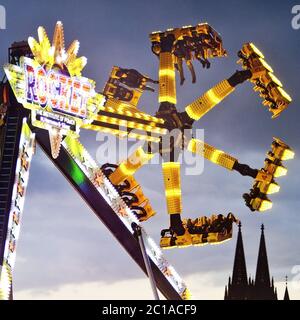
<point x="204" y="286"/>
<point x="123" y="289"/>
<point x="63" y="248"/>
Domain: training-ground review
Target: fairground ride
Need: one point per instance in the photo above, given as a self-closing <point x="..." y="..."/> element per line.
<point x="45" y="99"/>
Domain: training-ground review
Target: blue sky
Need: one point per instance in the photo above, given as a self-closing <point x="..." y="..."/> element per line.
<point x="63" y="247"/>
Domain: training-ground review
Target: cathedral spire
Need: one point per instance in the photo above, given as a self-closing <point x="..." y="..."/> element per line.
<point x="239" y="275"/>
<point x="286" y="293"/>
<point x="262" y="278"/>
<point x="238" y="285"/>
<point x="226" y="294"/>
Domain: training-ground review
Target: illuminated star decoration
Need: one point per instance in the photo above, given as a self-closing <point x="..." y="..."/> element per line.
<point x="122" y="212"/>
<point x="20" y="189"/>
<point x="49" y="55"/>
<point x="17" y="203"/>
<point x="167" y="272"/>
<point x="24" y="162"/>
<point x="16" y="218"/>
<point x="98" y="179"/>
<point x="12" y="245"/>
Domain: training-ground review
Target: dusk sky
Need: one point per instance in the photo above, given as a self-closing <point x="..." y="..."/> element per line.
<point x="64" y="251"/>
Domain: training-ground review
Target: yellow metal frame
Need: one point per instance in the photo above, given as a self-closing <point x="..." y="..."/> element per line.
<point x="171" y="174"/>
<point x="212" y="154"/>
<point x="128" y="167"/>
<point x="167" y="78"/>
<point x="209" y="100"/>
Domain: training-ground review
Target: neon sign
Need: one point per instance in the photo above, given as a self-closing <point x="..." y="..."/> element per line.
<point x="52" y="91"/>
<point x="51" y="86"/>
<point x="56" y="90"/>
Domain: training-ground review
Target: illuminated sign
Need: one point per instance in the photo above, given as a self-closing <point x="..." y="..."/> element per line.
<point x="56" y="90"/>
<point x="53" y="120"/>
<point x="51" y="86"/>
<point x="38" y="89"/>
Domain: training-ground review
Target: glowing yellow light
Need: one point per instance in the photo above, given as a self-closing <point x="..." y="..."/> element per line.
<point x="193" y="115"/>
<point x="284" y="94"/>
<point x="256" y="50"/>
<point x="266" y="65"/>
<point x="213" y="97"/>
<point x="209" y="100"/>
<point x="126" y="170"/>
<point x="171" y="173"/>
<point x="142" y="137"/>
<point x="5" y="282"/>
<point x="171" y="165"/>
<point x="288" y="154"/>
<point x="131" y="124"/>
<point x="75" y="67"/>
<point x="140" y="156"/>
<point x="47" y="55"/>
<point x="113" y="121"/>
<point x="275" y="79"/>
<point x="215" y="156"/>
<point x="273" y="188"/>
<point x="265" y="205"/>
<point x="173" y="193"/>
<point x="167" y="99"/>
<point x="167" y="72"/>
<point x="268" y="188"/>
<point x="128" y="113"/>
<point x="280" y="171"/>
